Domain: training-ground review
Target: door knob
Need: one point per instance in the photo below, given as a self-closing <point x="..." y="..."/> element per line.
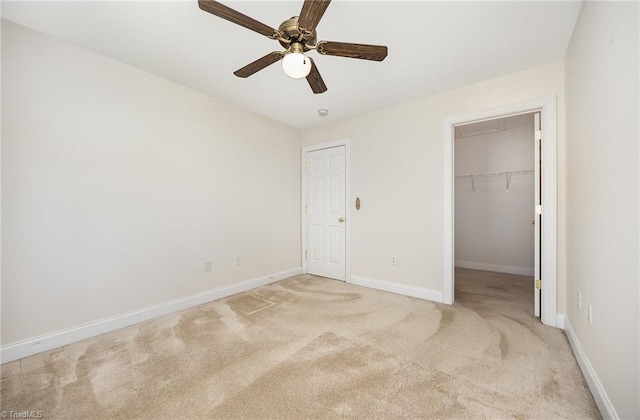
<point x="341" y="220"/>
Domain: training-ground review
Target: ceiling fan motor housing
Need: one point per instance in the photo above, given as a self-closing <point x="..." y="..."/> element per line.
<point x="291" y="33"/>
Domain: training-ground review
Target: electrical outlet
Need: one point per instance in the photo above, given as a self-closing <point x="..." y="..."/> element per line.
<point x="238" y="260"/>
<point x="580" y="301"/>
<point x="590" y="315"/>
<point x="394" y="260"/>
<point x="208" y="265"/>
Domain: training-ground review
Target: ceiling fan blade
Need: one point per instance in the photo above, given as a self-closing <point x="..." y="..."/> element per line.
<point x="227" y="13"/>
<point x="311" y="13"/>
<point x="259" y="64"/>
<point x="315" y="80"/>
<point x="347" y="49"/>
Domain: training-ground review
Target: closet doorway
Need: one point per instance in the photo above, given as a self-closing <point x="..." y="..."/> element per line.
<point x="542" y="214"/>
<point x="497" y="188"/>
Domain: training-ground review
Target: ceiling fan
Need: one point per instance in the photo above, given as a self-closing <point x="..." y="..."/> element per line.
<point x="297" y="35"/>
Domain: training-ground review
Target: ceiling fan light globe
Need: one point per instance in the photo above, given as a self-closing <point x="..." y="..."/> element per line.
<point x="296" y="65"/>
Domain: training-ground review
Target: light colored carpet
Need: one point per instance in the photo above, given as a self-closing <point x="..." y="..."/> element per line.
<point x="309" y="347"/>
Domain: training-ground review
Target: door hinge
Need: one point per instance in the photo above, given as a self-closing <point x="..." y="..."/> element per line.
<point x="305" y="209"/>
<point x="538" y="135"/>
<point x="538" y="284"/>
<point x="306" y="254"/>
<point x="306" y="165"/>
<point x="539" y="209"/>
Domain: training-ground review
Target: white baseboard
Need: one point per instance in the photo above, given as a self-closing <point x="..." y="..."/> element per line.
<point x="605" y="405"/>
<point x="522" y="271"/>
<point x="401" y="289"/>
<point x="560" y="321"/>
<point x="31" y="346"/>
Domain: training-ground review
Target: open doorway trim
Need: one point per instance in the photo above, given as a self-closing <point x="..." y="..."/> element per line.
<point x="547" y="108"/>
<point x="347" y="192"/>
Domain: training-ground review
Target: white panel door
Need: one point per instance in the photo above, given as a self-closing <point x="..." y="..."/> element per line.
<point x="537" y="216"/>
<point x="326" y="213"/>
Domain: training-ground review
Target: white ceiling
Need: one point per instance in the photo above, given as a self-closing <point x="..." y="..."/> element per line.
<point x="433" y="47"/>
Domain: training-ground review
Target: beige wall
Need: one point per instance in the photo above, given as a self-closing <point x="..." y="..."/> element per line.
<point x="118" y="185"/>
<point x="397" y="171"/>
<point x="602" y="195"/>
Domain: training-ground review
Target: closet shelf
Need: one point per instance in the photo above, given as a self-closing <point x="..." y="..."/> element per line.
<point x="507" y="175"/>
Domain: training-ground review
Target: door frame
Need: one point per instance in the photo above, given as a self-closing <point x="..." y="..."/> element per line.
<point x="347" y="192"/>
<point x="547" y="108"/>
